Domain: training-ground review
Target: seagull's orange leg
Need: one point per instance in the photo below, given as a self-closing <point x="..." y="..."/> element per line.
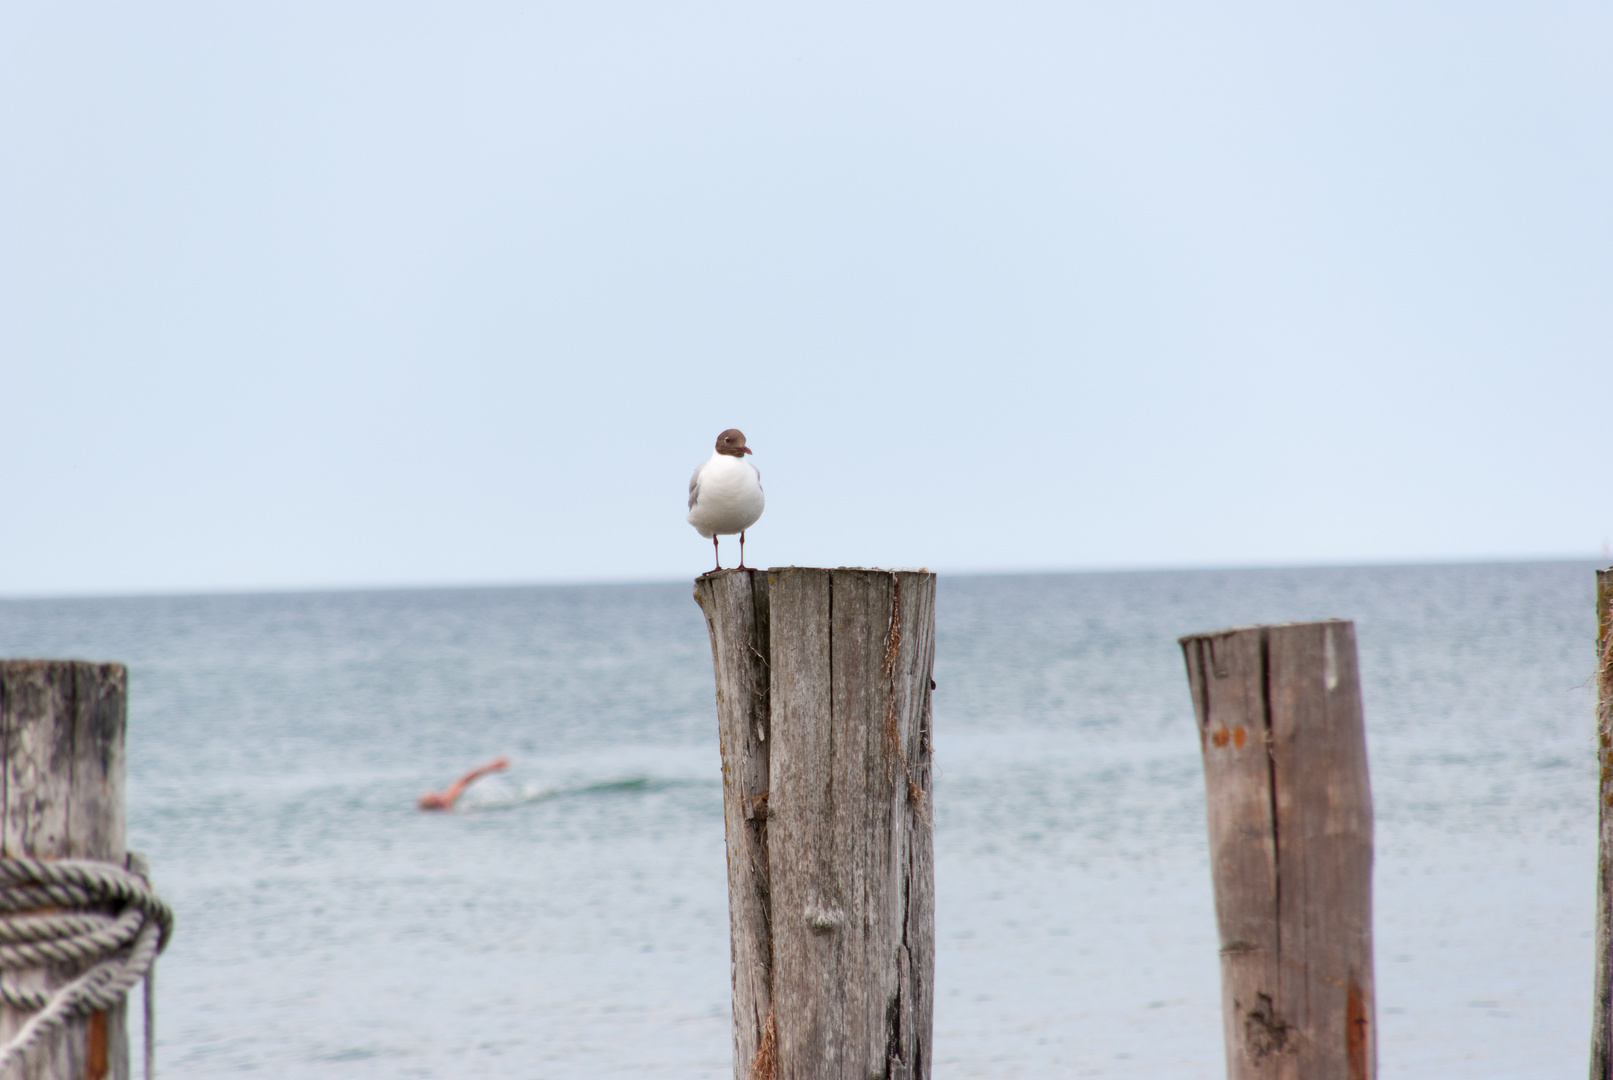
<point x="742" y="549"/>
<point x="718" y="552"/>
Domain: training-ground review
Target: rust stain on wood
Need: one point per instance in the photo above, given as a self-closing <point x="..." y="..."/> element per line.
<point x="95" y="1056"/>
<point x="1219" y="737"/>
<point x="1356" y="1031"/>
<point x="1240" y="736"/>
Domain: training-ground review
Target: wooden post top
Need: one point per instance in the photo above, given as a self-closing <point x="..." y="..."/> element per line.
<point x="924" y="570"/>
<point x="35" y="664"/>
<point x="1259" y="627"/>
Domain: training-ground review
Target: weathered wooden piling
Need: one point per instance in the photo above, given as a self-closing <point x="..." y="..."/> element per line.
<point x="1602" y="1013"/>
<point x="1290" y="821"/>
<point x="823" y="711"/>
<point x="61" y="773"/>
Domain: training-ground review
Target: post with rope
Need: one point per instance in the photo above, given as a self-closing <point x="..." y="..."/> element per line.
<point x="823" y="714"/>
<point x="78" y="926"/>
<point x="1290" y="818"/>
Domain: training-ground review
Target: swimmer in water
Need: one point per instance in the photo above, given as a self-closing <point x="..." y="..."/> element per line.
<point x="445" y="799"/>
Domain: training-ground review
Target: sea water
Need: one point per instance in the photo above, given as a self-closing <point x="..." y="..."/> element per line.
<point x="570" y="918"/>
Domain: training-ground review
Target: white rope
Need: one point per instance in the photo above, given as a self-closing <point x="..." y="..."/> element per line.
<point x="97" y="916"/>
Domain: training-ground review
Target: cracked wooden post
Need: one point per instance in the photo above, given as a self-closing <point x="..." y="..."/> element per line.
<point x="823" y="712"/>
<point x="1290" y="817"/>
<point x="61" y="773"/>
<point x="1602" y="1014"/>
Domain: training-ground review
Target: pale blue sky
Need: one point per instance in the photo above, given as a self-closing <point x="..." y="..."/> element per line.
<point x="337" y="294"/>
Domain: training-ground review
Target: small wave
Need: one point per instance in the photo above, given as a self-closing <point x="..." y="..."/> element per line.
<point x="473" y="801"/>
<point x="493" y="799"/>
<point x="626" y="783"/>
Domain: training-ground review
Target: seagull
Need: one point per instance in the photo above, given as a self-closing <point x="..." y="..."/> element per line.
<point x="725" y="493"/>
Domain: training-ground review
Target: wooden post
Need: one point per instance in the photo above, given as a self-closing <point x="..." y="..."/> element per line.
<point x="1602" y="1014"/>
<point x="61" y="773"/>
<point x="823" y="712"/>
<point x="1290" y="817"/>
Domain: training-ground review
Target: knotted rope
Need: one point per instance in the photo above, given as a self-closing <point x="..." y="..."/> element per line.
<point x="76" y="912"/>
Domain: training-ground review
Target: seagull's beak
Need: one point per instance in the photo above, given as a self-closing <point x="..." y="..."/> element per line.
<point x="747" y="449"/>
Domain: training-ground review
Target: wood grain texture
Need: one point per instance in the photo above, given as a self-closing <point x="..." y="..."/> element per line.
<point x="735" y="604"/>
<point x="1602" y="1009"/>
<point x="1289" y="807"/>
<point x="61" y="796"/>
<point x="849" y="889"/>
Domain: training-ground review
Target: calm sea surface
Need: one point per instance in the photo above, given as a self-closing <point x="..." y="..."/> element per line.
<point x="572" y="920"/>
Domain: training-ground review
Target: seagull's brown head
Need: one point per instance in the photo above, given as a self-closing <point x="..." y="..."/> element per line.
<point x="732" y="443"/>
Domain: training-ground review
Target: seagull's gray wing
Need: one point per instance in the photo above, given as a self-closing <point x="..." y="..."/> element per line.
<point x="758" y="473"/>
<point x="694" y="485"/>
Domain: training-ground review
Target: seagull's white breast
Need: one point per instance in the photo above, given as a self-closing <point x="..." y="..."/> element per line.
<point x="725" y="496"/>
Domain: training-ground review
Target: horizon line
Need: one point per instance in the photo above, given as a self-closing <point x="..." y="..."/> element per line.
<point x="561" y="583"/>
